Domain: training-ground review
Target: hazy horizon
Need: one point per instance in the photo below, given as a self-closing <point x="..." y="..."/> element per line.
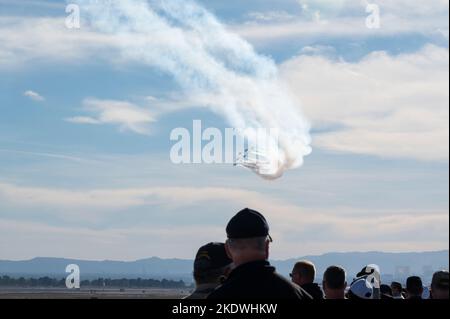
<point x="192" y="258"/>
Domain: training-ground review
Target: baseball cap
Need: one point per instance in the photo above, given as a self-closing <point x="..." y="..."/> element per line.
<point x="211" y="256"/>
<point x="361" y="288"/>
<point x="368" y="270"/>
<point x="440" y="279"/>
<point x="247" y="223"/>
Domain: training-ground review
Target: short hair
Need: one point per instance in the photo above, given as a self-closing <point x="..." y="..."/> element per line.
<point x="396" y="285"/>
<point x="335" y="277"/>
<point x="306" y="269"/>
<point x="386" y="289"/>
<point x="414" y="285"/>
<point x="440" y="280"/>
<point x="256" y="243"/>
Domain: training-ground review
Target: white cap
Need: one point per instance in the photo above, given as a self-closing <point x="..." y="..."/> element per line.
<point x="362" y="288"/>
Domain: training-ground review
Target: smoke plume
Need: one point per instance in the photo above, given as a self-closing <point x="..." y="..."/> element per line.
<point x="214" y="67"/>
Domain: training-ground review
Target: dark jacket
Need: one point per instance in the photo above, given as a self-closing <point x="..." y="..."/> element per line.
<point x="314" y="290"/>
<point x="202" y="292"/>
<point x="258" y="280"/>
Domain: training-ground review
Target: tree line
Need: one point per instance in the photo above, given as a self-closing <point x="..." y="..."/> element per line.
<point x="46" y="282"/>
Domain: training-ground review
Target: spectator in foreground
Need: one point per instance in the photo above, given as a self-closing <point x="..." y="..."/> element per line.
<point x="303" y="274"/>
<point x="386" y="292"/>
<point x="211" y="265"/>
<point x="361" y="289"/>
<point x="253" y="278"/>
<point x="440" y="285"/>
<point x="397" y="290"/>
<point x="334" y="283"/>
<point x="414" y="288"/>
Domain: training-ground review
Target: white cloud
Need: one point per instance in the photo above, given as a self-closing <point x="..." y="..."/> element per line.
<point x="427" y="233"/>
<point x="82" y="120"/>
<point x="117" y="199"/>
<point x="270" y="16"/>
<point x="389" y="106"/>
<point x="39" y="239"/>
<point x="347" y="18"/>
<point x="127" y="116"/>
<point x="28" y="40"/>
<point x="318" y="230"/>
<point x="34" y="96"/>
<point x="34" y="3"/>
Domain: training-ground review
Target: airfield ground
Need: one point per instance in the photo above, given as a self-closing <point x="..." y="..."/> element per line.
<point x="86" y="293"/>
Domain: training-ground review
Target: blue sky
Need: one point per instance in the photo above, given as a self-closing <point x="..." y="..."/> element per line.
<point x="76" y="183"/>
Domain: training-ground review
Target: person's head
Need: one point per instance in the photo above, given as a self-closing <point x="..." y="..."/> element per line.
<point x="414" y="287"/>
<point x="440" y="285"/>
<point x="396" y="288"/>
<point x="248" y="237"/>
<point x="303" y="273"/>
<point x="211" y="264"/>
<point x="373" y="274"/>
<point x="361" y="289"/>
<point x="334" y="282"/>
<point x="386" y="290"/>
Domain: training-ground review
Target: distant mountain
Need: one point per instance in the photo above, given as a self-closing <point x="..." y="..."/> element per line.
<point x="391" y="264"/>
<point x="154" y="267"/>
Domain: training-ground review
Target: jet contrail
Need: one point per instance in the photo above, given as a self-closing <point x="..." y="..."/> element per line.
<point x="215" y="68"/>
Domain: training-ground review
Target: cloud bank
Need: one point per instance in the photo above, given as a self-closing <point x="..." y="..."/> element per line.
<point x="128" y="116"/>
<point x="383" y="105"/>
<point x="347" y="18"/>
<point x="91" y="223"/>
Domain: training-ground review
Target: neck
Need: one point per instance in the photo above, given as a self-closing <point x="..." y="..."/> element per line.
<point x="206" y="285"/>
<point x="335" y="294"/>
<point x="242" y="261"/>
<point x="305" y="282"/>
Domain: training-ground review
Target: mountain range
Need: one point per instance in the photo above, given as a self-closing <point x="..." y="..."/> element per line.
<point x="392" y="265"/>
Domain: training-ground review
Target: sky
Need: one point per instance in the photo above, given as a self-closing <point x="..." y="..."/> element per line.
<point x="85" y="127"/>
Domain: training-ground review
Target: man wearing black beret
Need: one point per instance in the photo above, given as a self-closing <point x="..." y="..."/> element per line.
<point x="253" y="277"/>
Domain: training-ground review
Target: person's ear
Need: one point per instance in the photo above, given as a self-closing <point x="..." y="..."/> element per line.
<point x="267" y="250"/>
<point x="228" y="271"/>
<point x="228" y="250"/>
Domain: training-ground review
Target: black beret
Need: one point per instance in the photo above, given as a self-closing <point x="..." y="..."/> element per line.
<point x="247" y="223"/>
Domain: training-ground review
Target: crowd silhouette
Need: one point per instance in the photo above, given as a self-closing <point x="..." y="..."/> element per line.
<point x="239" y="269"/>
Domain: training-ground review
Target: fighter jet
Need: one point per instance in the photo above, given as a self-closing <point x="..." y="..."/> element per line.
<point x="257" y="162"/>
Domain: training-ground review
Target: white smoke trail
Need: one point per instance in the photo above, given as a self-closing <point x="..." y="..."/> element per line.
<point x="215" y="67"/>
